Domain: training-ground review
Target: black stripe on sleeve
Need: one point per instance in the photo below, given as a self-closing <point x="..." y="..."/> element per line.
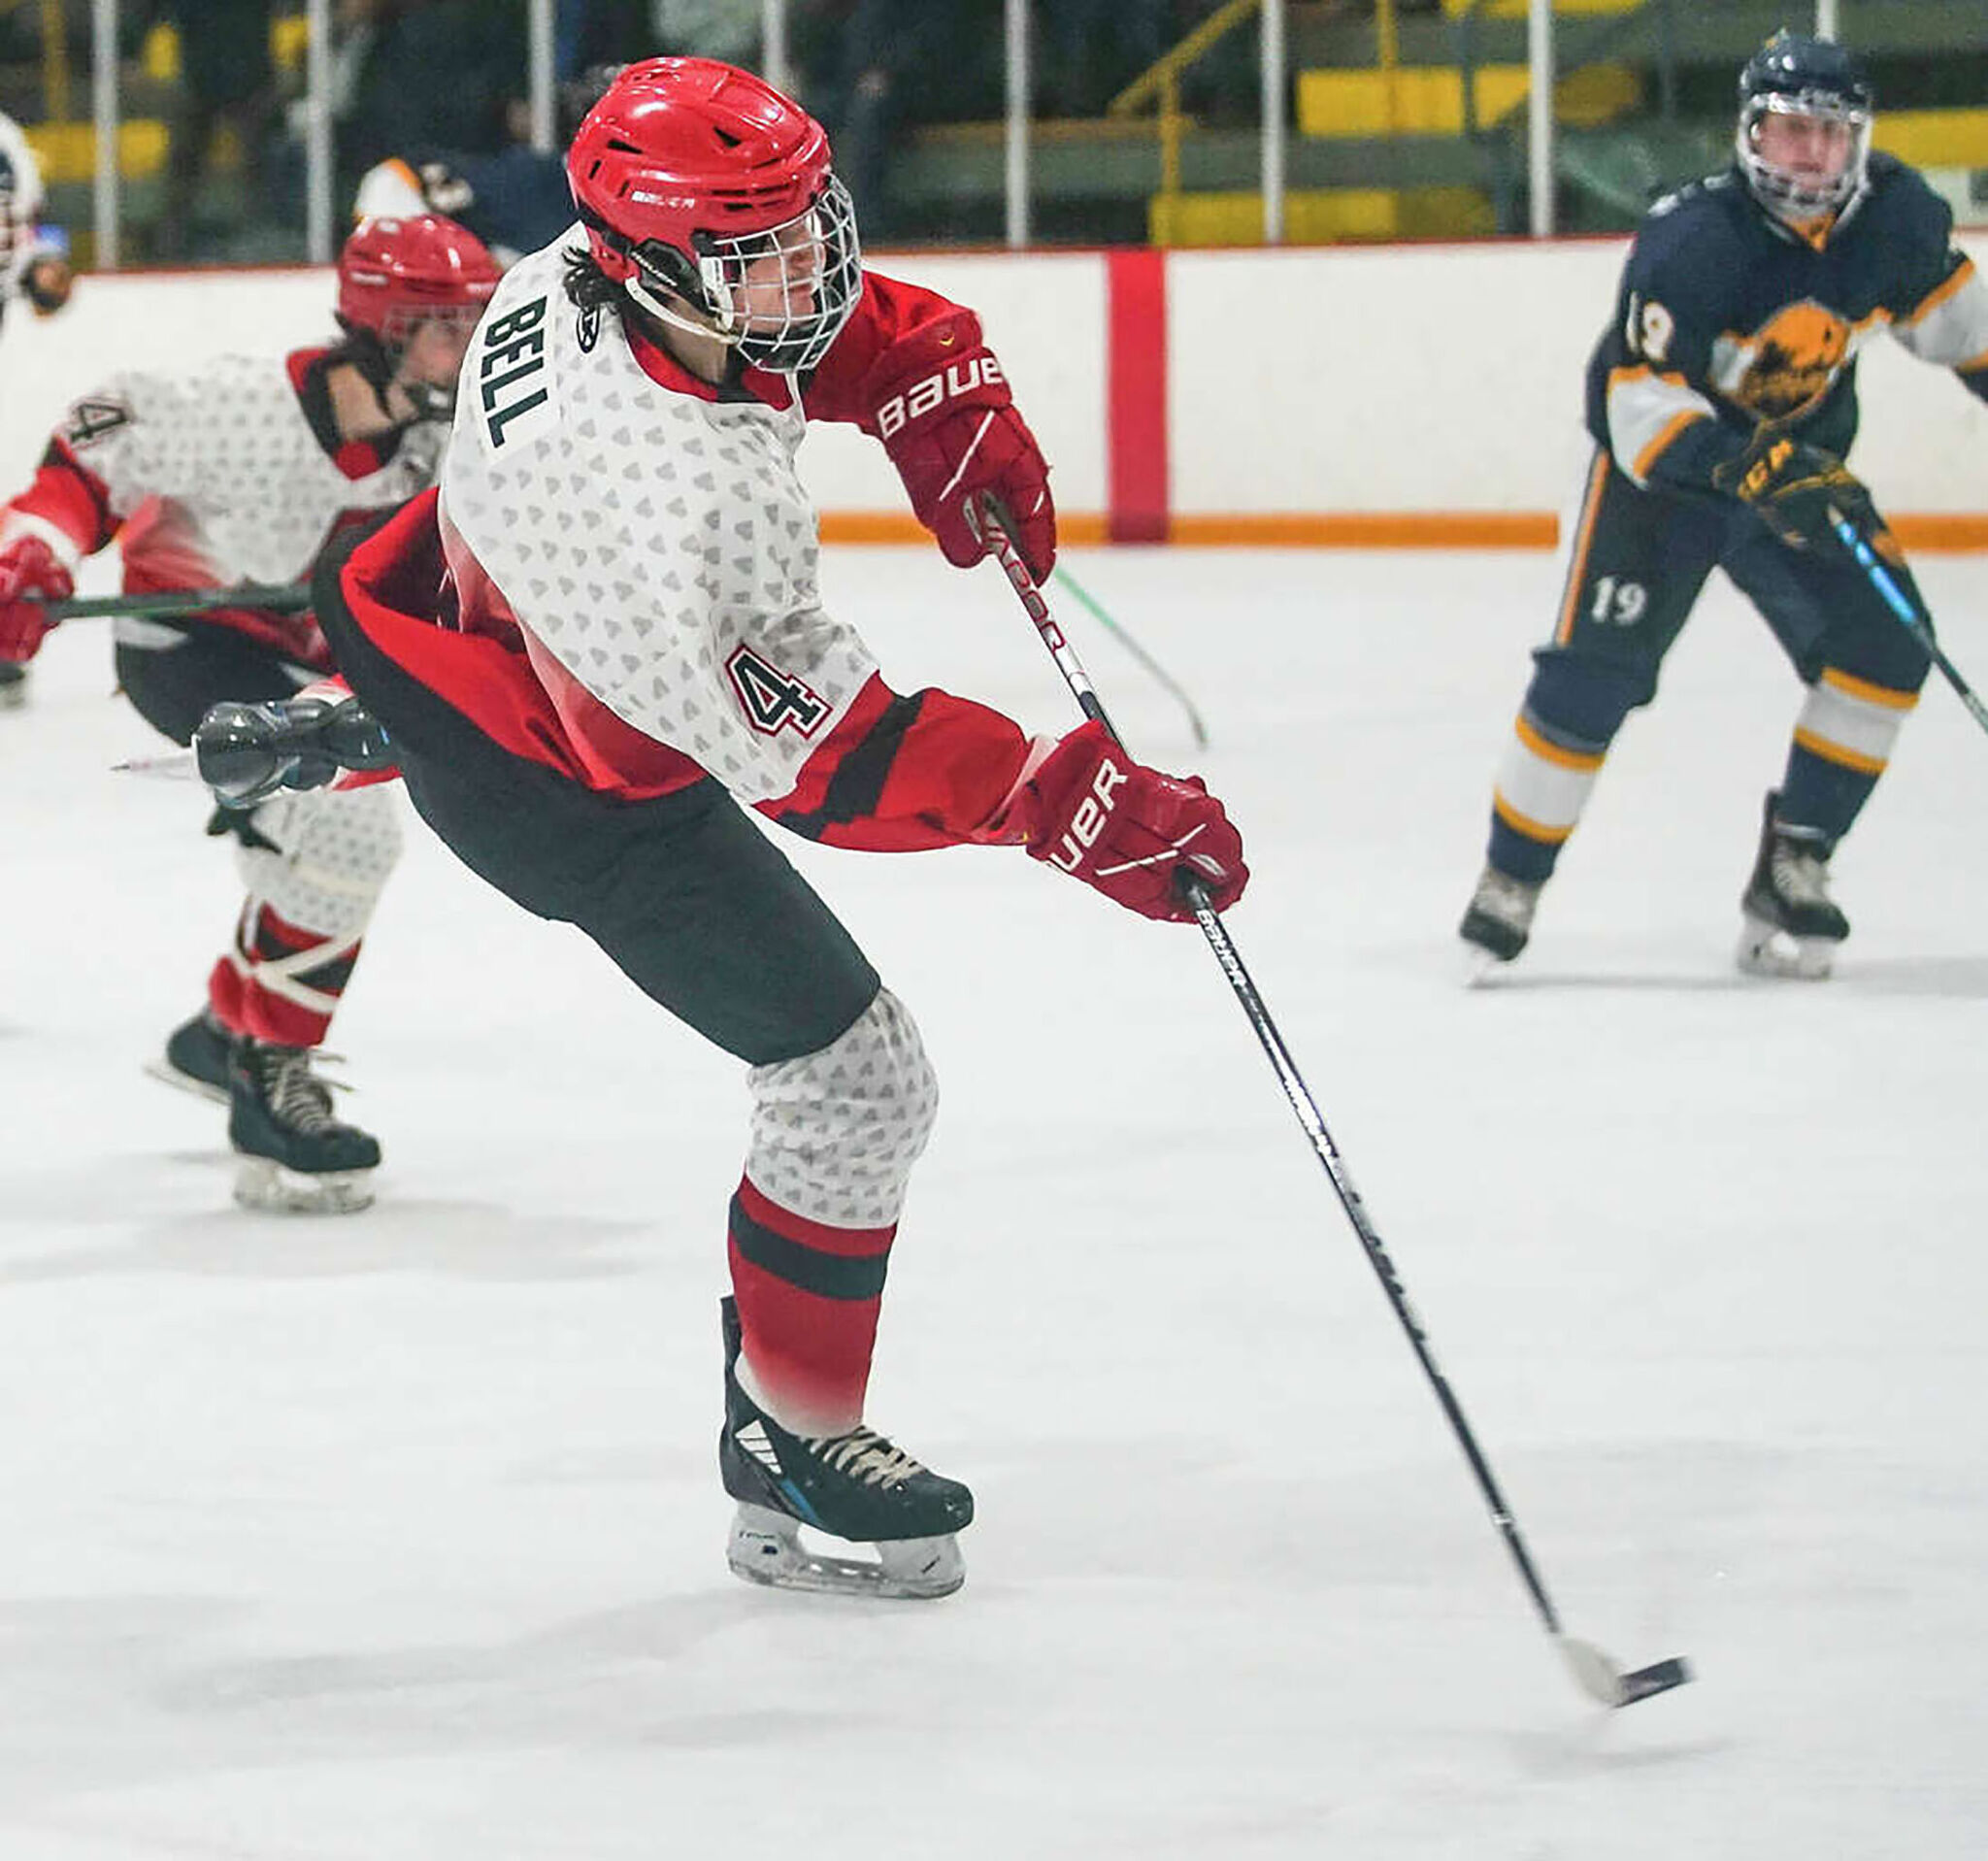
<point x="856" y="787"/>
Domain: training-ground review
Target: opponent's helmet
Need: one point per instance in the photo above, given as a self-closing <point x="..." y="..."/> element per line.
<point x="1815" y="77"/>
<point x="689" y="171"/>
<point x="397" y="274"/>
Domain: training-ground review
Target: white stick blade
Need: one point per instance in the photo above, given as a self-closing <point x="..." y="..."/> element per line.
<point x="1594" y="1672"/>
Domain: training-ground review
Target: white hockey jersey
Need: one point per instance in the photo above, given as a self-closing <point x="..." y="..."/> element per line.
<point x="649" y="537"/>
<point x="225" y="471"/>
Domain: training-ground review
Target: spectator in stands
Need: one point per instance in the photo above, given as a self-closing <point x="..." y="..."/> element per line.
<point x="227" y="77"/>
<point x="1090" y="50"/>
<point x="423" y="73"/>
<point x="727" y="30"/>
<point x="591" y="33"/>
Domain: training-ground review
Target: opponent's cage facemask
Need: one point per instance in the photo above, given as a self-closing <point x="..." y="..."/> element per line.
<point x="815" y="254"/>
<point x="1789" y="196"/>
<point x="379" y="353"/>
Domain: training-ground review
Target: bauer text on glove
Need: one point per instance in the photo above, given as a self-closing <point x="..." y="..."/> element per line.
<point x="1130" y="831"/>
<point x="942" y="408"/>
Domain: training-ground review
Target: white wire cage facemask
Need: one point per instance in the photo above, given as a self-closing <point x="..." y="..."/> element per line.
<point x="813" y="260"/>
<point x="1787" y="195"/>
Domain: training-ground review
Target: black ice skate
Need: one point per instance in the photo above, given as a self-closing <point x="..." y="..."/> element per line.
<point x="1498" y="920"/>
<point x="295" y="1157"/>
<point x="855" y="1486"/>
<point x="196" y="1059"/>
<point x="1790" y="925"/>
<point x="13" y="684"/>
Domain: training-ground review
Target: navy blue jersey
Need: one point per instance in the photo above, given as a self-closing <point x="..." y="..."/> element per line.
<point x="1727" y="317"/>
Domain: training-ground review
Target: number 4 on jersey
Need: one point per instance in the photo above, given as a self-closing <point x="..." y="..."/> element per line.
<point x="773" y="700"/>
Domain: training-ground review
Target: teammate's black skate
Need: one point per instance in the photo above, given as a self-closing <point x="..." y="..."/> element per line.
<point x="196" y="1059"/>
<point x="1499" y="919"/>
<point x="855" y="1486"/>
<point x="295" y="1157"/>
<point x="1791" y="926"/>
<point x="13" y="684"/>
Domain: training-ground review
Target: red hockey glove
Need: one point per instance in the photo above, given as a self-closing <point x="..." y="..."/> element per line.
<point x="29" y="569"/>
<point x="944" y="410"/>
<point x="1093" y="812"/>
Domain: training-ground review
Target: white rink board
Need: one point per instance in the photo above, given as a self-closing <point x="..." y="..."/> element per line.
<point x="1404" y="379"/>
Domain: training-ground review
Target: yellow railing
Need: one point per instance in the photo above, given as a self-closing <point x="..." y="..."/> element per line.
<point x="1160" y="83"/>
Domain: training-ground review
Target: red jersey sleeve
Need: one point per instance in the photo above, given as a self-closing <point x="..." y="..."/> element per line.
<point x="68" y="494"/>
<point x="905" y="773"/>
<point x="888" y="312"/>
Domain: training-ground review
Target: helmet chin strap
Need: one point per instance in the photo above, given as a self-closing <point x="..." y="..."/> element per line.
<point x="668" y="310"/>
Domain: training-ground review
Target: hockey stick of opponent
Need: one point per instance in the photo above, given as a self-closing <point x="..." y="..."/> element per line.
<point x="1593" y="1670"/>
<point x="288" y="597"/>
<point x="1906" y="609"/>
<point x="1095" y="608"/>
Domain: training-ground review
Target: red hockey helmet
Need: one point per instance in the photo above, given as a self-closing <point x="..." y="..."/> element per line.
<point x="688" y="172"/>
<point x="395" y="274"/>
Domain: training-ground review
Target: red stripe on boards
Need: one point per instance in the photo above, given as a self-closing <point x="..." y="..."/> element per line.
<point x="1135" y="397"/>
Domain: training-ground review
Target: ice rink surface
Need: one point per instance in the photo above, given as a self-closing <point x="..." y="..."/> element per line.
<point x="398" y="1538"/>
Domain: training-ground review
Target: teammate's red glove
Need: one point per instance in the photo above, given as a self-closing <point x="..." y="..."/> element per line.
<point x="28" y="568"/>
<point x="945" y="415"/>
<point x="1130" y="831"/>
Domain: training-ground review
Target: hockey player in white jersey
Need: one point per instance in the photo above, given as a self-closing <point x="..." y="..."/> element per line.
<point x="607" y="633"/>
<point x="237" y="469"/>
<point x="34" y="265"/>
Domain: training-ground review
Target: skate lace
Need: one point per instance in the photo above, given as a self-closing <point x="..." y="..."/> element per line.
<point x="295" y="1095"/>
<point x="867" y="1456"/>
<point x="1800" y="875"/>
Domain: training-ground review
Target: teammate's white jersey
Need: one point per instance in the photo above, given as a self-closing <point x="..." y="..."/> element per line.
<point x="241" y="485"/>
<point x="655" y="542"/>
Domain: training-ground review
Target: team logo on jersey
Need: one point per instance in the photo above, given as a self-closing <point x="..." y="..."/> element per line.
<point x="1791" y="360"/>
<point x="94" y="420"/>
<point x="773" y="700"/>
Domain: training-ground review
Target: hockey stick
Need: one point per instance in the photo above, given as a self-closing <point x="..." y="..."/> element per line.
<point x="1906" y="609"/>
<point x="1597" y="1675"/>
<point x="1091" y="604"/>
<point x="286" y="597"/>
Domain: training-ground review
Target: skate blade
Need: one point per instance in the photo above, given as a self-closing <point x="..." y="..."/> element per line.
<point x="766" y="1549"/>
<point x="167" y="1074"/>
<point x="264" y="1184"/>
<point x="1766" y="950"/>
<point x="14" y="695"/>
<point x="1481" y="968"/>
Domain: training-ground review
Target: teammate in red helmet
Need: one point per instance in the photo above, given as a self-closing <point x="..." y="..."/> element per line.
<point x="631" y="648"/>
<point x="240" y="468"/>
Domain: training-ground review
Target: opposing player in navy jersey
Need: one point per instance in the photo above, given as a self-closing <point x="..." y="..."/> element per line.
<point x="1722" y="399"/>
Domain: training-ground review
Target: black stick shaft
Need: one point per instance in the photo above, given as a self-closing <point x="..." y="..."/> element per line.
<point x="288" y="597"/>
<point x="1296" y="1091"/>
